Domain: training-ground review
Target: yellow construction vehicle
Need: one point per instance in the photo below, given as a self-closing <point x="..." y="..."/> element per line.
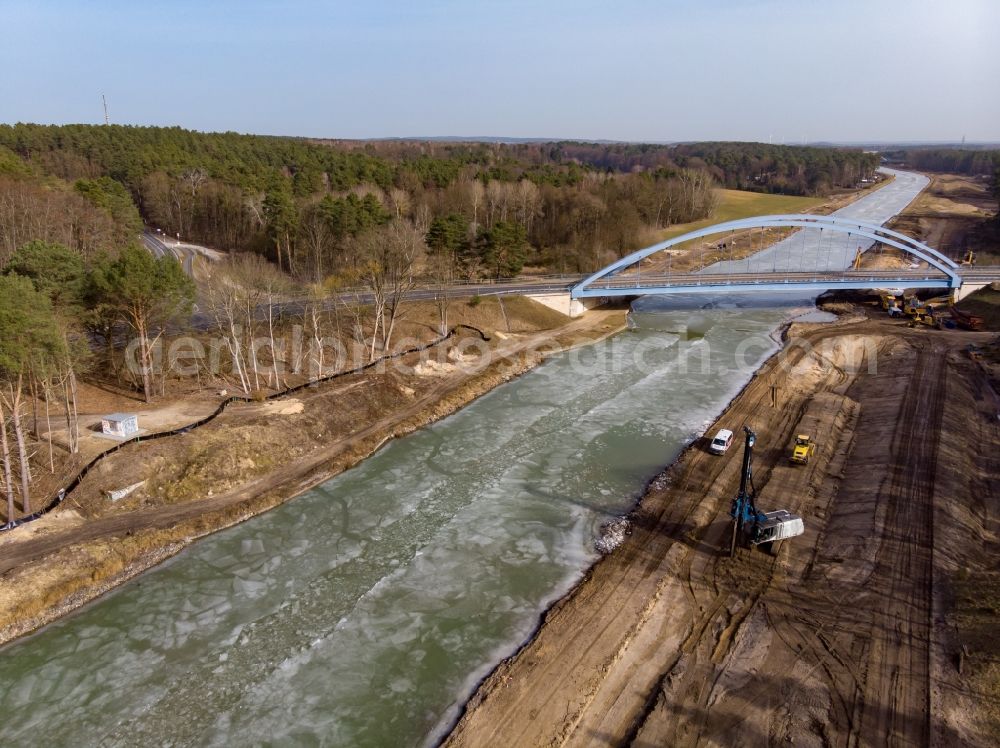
<point x="804" y="449"/>
<point x="970" y="258"/>
<point x="914" y="307"/>
<point x="939" y="302"/>
<point x="857" y="259"/>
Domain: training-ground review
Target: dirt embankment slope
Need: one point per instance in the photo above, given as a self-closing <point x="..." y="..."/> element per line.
<point x="251" y="458"/>
<point x="954" y="214"/>
<point x="843" y="638"/>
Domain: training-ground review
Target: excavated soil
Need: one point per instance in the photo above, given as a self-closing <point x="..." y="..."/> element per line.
<point x="844" y="637"/>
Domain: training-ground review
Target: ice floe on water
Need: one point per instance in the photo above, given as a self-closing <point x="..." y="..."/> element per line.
<point x="365" y="611"/>
<point x="612" y="535"/>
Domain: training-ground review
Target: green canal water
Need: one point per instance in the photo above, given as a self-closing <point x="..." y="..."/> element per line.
<point x="364" y="612"/>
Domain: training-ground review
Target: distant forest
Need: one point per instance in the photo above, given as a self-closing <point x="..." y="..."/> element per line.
<point x="484" y="210"/>
<point x="972" y="162"/>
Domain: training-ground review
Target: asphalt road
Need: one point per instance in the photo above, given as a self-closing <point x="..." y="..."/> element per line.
<point x="160" y="248"/>
<point x="617" y="284"/>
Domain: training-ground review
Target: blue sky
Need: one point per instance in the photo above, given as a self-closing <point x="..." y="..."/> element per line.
<point x="631" y="70"/>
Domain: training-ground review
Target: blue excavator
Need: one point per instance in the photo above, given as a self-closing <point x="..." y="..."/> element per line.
<point x="752" y="527"/>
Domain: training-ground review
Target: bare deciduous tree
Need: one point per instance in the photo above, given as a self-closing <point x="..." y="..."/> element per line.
<point x="8" y="478"/>
<point x="316" y="241"/>
<point x="389" y="275"/>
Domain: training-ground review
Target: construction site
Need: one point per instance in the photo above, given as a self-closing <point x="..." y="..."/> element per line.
<point x="831" y="580"/>
<point x="857" y="632"/>
<point x="467" y="375"/>
<point x="818" y="567"/>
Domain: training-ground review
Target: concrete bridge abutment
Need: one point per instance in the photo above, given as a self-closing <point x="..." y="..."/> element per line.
<point x="970" y="287"/>
<point x="565" y="304"/>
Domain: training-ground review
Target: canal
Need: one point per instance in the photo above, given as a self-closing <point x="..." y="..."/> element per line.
<point x="365" y="611"/>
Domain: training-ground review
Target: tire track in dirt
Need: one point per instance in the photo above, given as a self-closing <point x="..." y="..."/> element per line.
<point x="861" y="651"/>
<point x="899" y="667"/>
<point x="666" y="642"/>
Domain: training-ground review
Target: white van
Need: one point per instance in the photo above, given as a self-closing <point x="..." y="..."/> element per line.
<point x="722" y="441"/>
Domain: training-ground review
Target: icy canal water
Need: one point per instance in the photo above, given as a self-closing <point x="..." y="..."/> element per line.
<point x="365" y="611"/>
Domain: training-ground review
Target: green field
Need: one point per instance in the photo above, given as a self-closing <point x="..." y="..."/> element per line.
<point x="734" y="204"/>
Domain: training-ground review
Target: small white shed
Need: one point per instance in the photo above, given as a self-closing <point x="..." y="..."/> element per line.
<point x="120" y="424"/>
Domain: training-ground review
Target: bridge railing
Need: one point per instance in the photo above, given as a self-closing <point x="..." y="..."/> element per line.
<point x="650" y="280"/>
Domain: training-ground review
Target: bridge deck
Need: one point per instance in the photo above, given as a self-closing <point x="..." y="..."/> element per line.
<point x="782" y="281"/>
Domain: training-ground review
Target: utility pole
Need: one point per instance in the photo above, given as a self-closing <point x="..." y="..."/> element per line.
<point x="105" y="102"/>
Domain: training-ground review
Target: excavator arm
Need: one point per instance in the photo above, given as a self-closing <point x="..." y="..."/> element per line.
<point x="744" y="510"/>
<point x="750" y="525"/>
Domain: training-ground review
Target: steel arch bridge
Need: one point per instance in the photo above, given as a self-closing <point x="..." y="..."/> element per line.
<point x="627" y="278"/>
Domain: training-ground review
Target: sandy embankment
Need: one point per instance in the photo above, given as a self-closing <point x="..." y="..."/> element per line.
<point x="840" y="639"/>
<point x="251" y="459"/>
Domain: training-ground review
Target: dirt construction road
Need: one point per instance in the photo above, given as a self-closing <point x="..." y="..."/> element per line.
<point x="670" y="642"/>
